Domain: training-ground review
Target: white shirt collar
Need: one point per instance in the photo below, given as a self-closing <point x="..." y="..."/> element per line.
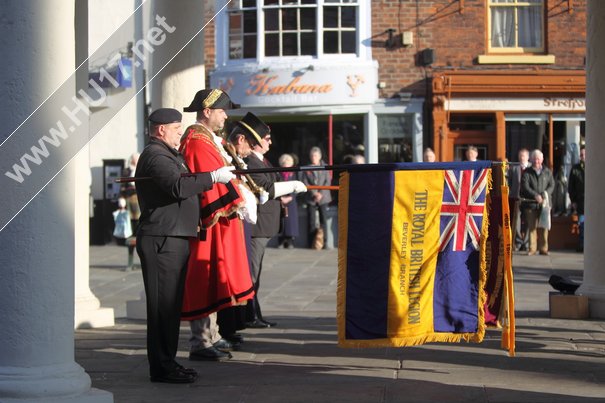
<point x="258" y="155"/>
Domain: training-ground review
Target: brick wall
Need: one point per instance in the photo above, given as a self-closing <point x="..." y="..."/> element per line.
<point x="459" y="36"/>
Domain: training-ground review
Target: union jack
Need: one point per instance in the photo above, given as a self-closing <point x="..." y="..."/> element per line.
<point x="462" y="208"/>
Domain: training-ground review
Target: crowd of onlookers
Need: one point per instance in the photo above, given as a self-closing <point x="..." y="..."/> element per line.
<point x="532" y="187"/>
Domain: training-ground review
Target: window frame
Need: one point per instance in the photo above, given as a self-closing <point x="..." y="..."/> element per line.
<point x="516" y="50"/>
<point x="362" y="29"/>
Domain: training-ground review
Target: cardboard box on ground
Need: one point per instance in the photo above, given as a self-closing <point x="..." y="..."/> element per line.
<point x="566" y="306"/>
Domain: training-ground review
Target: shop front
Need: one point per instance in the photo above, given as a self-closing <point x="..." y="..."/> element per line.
<point x="503" y="112"/>
<point x="330" y="104"/>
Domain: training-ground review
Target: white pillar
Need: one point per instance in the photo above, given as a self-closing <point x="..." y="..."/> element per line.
<point x="371" y="137"/>
<point x="177" y="82"/>
<point x="175" y="86"/>
<point x="37" y="247"/>
<point x="594" y="254"/>
<point x="88" y="311"/>
<point x="572" y="130"/>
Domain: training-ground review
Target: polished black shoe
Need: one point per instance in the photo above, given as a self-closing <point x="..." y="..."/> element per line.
<point x="257" y="324"/>
<point x="209" y="354"/>
<point x="187" y="371"/>
<point x="224" y="345"/>
<point x="175" y="376"/>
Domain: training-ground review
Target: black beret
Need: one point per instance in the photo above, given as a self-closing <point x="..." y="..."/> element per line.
<point x="165" y="116"/>
<point x="211" y="99"/>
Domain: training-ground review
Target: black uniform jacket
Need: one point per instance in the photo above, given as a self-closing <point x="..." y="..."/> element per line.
<point x="269" y="213"/>
<point x="169" y="203"/>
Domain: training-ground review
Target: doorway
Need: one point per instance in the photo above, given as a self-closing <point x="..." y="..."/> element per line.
<point x="471" y="130"/>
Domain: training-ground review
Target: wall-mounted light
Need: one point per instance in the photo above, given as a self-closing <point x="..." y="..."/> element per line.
<point x="391" y="41"/>
<point x="264" y="70"/>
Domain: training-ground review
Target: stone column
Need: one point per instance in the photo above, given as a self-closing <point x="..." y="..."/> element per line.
<point x="594" y="254"/>
<point x="177" y="80"/>
<point x="88" y="311"/>
<point x="176" y="84"/>
<point x="37" y="246"/>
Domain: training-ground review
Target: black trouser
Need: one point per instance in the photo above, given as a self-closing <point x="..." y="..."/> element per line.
<point x="255" y="256"/>
<point x="164" y="267"/>
<point x="230" y="320"/>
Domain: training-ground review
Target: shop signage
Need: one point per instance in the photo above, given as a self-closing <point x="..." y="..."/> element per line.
<point x="299" y="87"/>
<point x="544" y="104"/>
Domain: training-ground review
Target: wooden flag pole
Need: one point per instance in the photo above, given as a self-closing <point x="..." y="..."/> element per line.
<point x="304" y="168"/>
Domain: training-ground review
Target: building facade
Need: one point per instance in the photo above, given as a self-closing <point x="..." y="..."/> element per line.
<point x="388" y="78"/>
<point x="308" y="68"/>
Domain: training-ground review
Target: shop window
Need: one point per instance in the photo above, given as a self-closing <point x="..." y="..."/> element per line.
<point x="292" y="27"/>
<point x="339" y="27"/>
<point x="242" y="32"/>
<point x="297" y="136"/>
<point x="516" y="26"/>
<point x="530" y="134"/>
<point x="462" y="122"/>
<point x="395" y="135"/>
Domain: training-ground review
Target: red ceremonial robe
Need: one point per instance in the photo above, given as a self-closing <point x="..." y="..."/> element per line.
<point x="218" y="275"/>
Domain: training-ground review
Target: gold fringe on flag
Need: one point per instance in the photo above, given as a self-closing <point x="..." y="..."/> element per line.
<point x="508" y="317"/>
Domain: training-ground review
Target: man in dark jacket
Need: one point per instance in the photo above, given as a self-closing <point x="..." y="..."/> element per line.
<point x="537" y="185"/>
<point x="576" y="194"/>
<point x="269" y="213"/>
<point x="515" y="173"/>
<point x="169" y="217"/>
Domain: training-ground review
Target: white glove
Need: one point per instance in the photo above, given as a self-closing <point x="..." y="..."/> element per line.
<point x="223" y="174"/>
<point x="299" y="187"/>
<point x="287" y="187"/>
<point x="248" y="211"/>
<point x="263" y="197"/>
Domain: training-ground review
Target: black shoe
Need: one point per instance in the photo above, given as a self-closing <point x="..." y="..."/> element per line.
<point x="224" y="345"/>
<point x="270" y="324"/>
<point x="186" y="371"/>
<point x="209" y="354"/>
<point x="235" y="338"/>
<point x="175" y="376"/>
<point x="257" y="324"/>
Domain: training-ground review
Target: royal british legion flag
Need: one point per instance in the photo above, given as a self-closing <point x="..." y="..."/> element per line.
<point x="412" y="253"/>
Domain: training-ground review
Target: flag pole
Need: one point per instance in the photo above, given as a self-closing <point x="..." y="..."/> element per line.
<point x="304" y="168"/>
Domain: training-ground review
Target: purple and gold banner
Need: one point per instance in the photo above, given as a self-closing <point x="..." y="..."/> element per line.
<point x="412" y="244"/>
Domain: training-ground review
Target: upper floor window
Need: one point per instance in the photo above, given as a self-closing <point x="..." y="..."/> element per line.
<point x="516" y="26"/>
<point x="292" y="28"/>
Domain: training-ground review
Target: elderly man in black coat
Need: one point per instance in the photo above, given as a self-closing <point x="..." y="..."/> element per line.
<point x="169" y="217"/>
<point x="537" y="185"/>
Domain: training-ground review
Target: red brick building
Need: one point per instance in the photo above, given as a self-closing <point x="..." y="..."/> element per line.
<point x="442" y="74"/>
